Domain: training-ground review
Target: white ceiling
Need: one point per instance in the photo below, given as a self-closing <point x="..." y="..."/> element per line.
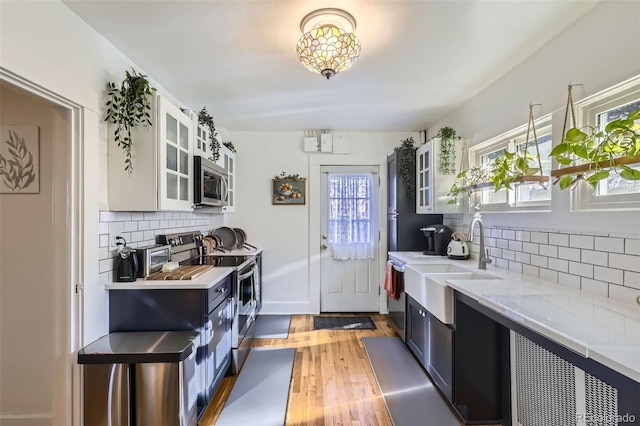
<point x="420" y="59"/>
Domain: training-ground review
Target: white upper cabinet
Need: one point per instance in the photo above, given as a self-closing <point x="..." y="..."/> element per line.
<point x="228" y="161"/>
<point x="162" y="161"/>
<point x="431" y="185"/>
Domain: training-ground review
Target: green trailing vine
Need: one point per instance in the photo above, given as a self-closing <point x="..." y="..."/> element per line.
<point x="128" y="107"/>
<point x="448" y="138"/>
<point x="600" y="148"/>
<point x="284" y="175"/>
<point x="465" y="180"/>
<point x="229" y="145"/>
<point x="407" y="165"/>
<point x="205" y="119"/>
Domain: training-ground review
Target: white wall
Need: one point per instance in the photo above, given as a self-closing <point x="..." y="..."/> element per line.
<point x="290" y="234"/>
<point x="601" y="49"/>
<point x="26" y="284"/>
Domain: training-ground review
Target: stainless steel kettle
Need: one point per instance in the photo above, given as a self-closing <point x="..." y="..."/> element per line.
<point x="458" y="248"/>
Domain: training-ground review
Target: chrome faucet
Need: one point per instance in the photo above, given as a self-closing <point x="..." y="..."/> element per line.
<point x="483" y="257"/>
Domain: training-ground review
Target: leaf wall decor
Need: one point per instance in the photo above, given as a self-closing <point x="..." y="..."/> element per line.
<point x="19" y="160"/>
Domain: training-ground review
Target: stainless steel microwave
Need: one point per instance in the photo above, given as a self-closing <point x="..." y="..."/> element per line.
<point x="210" y="183"/>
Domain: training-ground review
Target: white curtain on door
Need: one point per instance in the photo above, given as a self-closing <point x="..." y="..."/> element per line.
<point x="351" y="215"/>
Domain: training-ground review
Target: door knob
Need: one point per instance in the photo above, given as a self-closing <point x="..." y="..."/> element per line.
<point x="324" y="246"/>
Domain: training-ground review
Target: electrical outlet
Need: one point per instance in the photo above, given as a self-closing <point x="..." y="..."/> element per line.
<point x="112" y="241"/>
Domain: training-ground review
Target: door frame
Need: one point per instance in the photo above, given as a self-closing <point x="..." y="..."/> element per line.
<point x="67" y="251"/>
<point x="315" y="163"/>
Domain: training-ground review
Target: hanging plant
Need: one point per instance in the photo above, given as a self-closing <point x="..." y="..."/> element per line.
<point x="407" y="165"/>
<point x="466" y="181"/>
<point x="603" y="151"/>
<point x="229" y="145"/>
<point x="205" y="119"/>
<point x="448" y="138"/>
<point x="128" y="107"/>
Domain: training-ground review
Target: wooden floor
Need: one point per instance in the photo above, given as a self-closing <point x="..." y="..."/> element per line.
<point x="332" y="382"/>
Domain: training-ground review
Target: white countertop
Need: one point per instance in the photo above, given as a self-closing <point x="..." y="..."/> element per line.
<point x="204" y="281"/>
<point x="594" y="326"/>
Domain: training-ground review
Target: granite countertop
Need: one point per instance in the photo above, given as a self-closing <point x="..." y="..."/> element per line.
<point x="594" y="326"/>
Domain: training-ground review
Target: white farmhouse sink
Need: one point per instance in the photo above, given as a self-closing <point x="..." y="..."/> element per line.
<point x="427" y="284"/>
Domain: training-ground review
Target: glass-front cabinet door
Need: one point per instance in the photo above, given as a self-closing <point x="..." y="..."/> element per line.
<point x="424" y="178"/>
<point x="175" y="189"/>
<point x="229" y="163"/>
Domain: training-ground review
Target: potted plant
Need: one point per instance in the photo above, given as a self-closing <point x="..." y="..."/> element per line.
<point x="503" y="171"/>
<point x="598" y="152"/>
<point x="205" y="119"/>
<point x="128" y="107"/>
<point x="447" y="157"/>
<point x="407" y="165"/>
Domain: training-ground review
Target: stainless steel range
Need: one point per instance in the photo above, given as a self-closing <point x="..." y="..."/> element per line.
<point x="247" y="299"/>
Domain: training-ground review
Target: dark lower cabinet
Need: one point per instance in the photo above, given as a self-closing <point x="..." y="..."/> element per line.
<point x="465" y="361"/>
<point x="207" y="311"/>
<point x="417" y="330"/>
<point x="480" y="367"/>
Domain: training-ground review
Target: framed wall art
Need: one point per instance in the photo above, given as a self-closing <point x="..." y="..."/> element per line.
<point x="19" y="160"/>
<point x="288" y="191"/>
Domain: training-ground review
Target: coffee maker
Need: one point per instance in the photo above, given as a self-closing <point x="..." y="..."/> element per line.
<point x="438" y="238"/>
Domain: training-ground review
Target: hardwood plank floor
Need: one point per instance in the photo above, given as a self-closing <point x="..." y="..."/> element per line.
<point x="332" y="382"/>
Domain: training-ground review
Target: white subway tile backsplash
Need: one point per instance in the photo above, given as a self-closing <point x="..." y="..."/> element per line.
<point x="151" y="234"/>
<point x="515" y="245"/>
<point x="524" y="236"/>
<point x="626" y="294"/>
<point x="106" y="216"/>
<point x="137" y="216"/>
<point x="608" y="274"/>
<point x="559" y="264"/>
<point x="116" y="228"/>
<point x="515" y="266"/>
<point x="609" y="244"/>
<point x="143" y="225"/>
<point x="582" y="269"/>
<point x="530" y="248"/>
<point x="569" y="280"/>
<point x="105" y="265"/>
<point x="581" y="241"/>
<point x="632" y="279"/>
<point x="104" y="240"/>
<point x="123" y="216"/>
<point x="624" y="261"/>
<point x="154" y="224"/>
<point x="559" y="239"/>
<point x="595" y="257"/>
<point x="569" y="253"/>
<point x="496" y="233"/>
<point x="523" y="257"/>
<point x="503" y="244"/>
<point x="597" y="287"/>
<point x="137" y="237"/>
<point x="540" y="261"/>
<point x="532" y="271"/>
<point x="540" y="237"/>
<point x="508" y="234"/>
<point x="130" y="226"/>
<point x="502" y="263"/>
<point x="549" y="251"/>
<point x="632" y="246"/>
<point x="549" y="275"/>
<point x="508" y="254"/>
<point x="103" y="228"/>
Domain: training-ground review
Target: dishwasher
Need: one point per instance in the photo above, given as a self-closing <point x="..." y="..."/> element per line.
<point x="397" y="307"/>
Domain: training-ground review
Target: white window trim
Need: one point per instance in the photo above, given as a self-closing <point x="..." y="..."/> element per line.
<point x="583" y="196"/>
<point x="507" y="141"/>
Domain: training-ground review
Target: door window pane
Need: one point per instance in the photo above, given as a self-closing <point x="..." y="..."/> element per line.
<point x="536" y="191"/>
<point x="172" y="186"/>
<point x="184" y="188"/>
<point x="172" y="129"/>
<point x="184" y="136"/>
<point x="172" y="158"/>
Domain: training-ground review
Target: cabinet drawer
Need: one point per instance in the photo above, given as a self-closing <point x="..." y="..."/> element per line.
<point x="218" y="293"/>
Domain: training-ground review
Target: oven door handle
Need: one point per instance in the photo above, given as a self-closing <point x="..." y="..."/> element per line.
<point x="398" y="268"/>
<point x="245" y="276"/>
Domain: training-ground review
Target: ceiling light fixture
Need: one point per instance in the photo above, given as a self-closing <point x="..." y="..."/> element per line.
<point x="328" y="45"/>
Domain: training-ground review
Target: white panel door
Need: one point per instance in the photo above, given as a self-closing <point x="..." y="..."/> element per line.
<point x="349" y="285"/>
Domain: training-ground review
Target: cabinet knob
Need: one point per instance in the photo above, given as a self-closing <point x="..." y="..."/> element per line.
<point x="324" y="246"/>
<point x="324" y="237"/>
